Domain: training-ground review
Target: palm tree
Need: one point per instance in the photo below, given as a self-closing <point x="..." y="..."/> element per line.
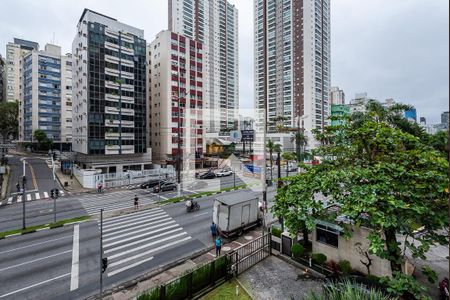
<point x="301" y="140"/>
<point x="271" y="146"/>
<point x="288" y="156"/>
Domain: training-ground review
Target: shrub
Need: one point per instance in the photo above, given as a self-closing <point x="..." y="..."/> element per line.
<point x="276" y="232"/>
<point x="297" y="250"/>
<point x="401" y="284"/>
<point x="344" y="266"/>
<point x="319" y="258"/>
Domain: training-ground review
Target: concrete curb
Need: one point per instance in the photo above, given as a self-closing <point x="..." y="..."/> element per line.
<point x="44" y="228"/>
<point x="244" y="288"/>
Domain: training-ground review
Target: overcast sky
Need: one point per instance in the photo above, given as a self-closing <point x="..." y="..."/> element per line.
<point x="389" y="49"/>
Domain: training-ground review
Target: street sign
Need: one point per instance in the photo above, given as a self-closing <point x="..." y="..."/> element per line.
<point x="248" y="135"/>
<point x="235" y="136"/>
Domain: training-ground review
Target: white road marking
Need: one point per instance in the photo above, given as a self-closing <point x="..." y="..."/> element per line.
<point x="143" y="225"/>
<point x="37" y="196"/>
<point x="131" y="220"/>
<point x="61" y="192"/>
<point x="165" y="216"/>
<point x="107" y="245"/>
<point x="19" y="198"/>
<point x="146" y="229"/>
<point x="34" y="260"/>
<point x="202" y="214"/>
<point x="75" y="258"/>
<point x="142" y="254"/>
<point x="41" y="243"/>
<point x="128" y="266"/>
<point x="10" y="199"/>
<point x="34" y="285"/>
<point x="133" y="215"/>
<point x="28" y="197"/>
<point x="45" y="195"/>
<point x="143" y="246"/>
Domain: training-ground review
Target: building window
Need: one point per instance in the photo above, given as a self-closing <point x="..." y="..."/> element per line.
<point x="327" y="235"/>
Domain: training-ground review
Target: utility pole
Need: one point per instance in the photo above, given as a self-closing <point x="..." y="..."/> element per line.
<point x="55" y="193"/>
<point x="179" y="132"/>
<point x="24" y="181"/>
<point x="101" y="253"/>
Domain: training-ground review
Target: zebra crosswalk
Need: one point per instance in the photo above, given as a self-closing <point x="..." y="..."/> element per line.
<point x="29" y="196"/>
<point x="131" y="240"/>
<point x="119" y="200"/>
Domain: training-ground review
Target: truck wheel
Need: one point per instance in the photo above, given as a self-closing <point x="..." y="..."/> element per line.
<point x="239" y="232"/>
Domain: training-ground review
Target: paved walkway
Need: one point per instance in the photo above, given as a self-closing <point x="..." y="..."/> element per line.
<point x="276" y="279"/>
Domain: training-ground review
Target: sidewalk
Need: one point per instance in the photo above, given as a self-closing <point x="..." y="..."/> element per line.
<point x="73" y="184"/>
<point x="175" y="271"/>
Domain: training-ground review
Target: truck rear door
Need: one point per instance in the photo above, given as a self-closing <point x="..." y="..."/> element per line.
<point x="245" y="216"/>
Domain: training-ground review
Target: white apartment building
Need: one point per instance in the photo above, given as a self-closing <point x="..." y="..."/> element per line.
<point x="176" y="99"/>
<point x="292" y="63"/>
<point x="337" y="96"/>
<point x="46" y="102"/>
<point x="109" y="95"/>
<point x="215" y="25"/>
<point x="13" y="68"/>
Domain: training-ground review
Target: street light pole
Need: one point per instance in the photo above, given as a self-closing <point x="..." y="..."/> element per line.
<point x="101" y="253"/>
<point x="24" y="181"/>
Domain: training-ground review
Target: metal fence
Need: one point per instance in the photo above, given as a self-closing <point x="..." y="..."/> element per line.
<point x="190" y="284"/>
<point x="133" y="177"/>
<point x="250" y="254"/>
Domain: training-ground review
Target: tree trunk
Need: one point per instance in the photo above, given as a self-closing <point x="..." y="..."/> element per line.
<point x="393" y="250"/>
<point x="279" y="168"/>
<point x="305" y="233"/>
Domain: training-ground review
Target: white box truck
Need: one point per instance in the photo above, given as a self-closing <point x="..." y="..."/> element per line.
<point x="235" y="212"/>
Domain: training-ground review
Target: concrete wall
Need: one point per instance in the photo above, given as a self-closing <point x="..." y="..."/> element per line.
<point x="348" y="251"/>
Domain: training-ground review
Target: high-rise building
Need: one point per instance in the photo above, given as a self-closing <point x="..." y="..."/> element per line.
<point x="339" y="111"/>
<point x="2" y="73"/>
<point x="423" y="121"/>
<point x="292" y="62"/>
<point x="214" y="23"/>
<point x="47" y="96"/>
<point x="109" y="95"/>
<point x="14" y="64"/>
<point x="337" y="96"/>
<point x="444" y="118"/>
<point x="176" y="98"/>
<point x="411" y="115"/>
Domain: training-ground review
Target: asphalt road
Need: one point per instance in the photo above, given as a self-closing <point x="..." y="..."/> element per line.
<point x="53" y="264"/>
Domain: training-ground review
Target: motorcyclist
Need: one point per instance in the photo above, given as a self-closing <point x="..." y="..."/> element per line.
<point x="189" y="204"/>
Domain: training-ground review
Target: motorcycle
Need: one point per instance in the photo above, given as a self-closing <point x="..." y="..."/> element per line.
<point x="193" y="207"/>
<point x="444" y="289"/>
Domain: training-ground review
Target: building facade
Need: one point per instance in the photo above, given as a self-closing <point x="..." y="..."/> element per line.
<point x="215" y="25"/>
<point x="13" y="69"/>
<point x="292" y="62"/>
<point x="444" y="119"/>
<point x="411" y="115"/>
<point x="47" y="96"/>
<point x="339" y="111"/>
<point x="337" y="96"/>
<point x="109" y="95"/>
<point x="2" y="76"/>
<point x="176" y="98"/>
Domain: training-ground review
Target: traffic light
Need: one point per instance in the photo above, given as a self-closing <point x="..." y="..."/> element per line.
<point x="52" y="193"/>
<point x="104" y="264"/>
<point x="56" y="193"/>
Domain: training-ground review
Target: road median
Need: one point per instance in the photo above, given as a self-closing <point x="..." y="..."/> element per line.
<point x="31" y="229"/>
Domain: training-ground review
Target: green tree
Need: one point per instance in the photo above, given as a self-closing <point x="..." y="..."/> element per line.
<point x="9" y="124"/>
<point x="43" y="142"/>
<point x="380" y="176"/>
<point x="271" y="148"/>
<point x="301" y="141"/>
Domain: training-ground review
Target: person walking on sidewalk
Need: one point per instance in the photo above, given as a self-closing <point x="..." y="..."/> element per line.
<point x="218" y="246"/>
<point x="214" y="230"/>
<point x="136" y="202"/>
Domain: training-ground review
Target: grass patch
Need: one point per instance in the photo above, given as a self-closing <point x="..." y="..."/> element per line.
<point x="51" y="225"/>
<point x="227" y="291"/>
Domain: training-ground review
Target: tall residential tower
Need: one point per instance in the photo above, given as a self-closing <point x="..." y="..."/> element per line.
<point x="292" y="62"/>
<point x="109" y="95"/>
<point x="214" y="23"/>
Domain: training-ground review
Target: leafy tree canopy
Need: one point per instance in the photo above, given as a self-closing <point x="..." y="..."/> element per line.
<point x="9" y="124"/>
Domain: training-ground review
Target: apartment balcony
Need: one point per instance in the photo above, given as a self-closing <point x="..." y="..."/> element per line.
<point x="126" y="62"/>
<point x="116" y="111"/>
<point x="117" y="135"/>
<point x="127" y="75"/>
<point x="116" y="123"/>
<point x="112" y="85"/>
<point x="111" y="46"/>
<point x="114" y="149"/>
<point x="111" y="72"/>
<point x="111" y="59"/>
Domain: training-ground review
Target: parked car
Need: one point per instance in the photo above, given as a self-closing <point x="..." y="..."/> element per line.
<point x="166" y="186"/>
<point x="207" y="175"/>
<point x="223" y="173"/>
<point x="151" y="183"/>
